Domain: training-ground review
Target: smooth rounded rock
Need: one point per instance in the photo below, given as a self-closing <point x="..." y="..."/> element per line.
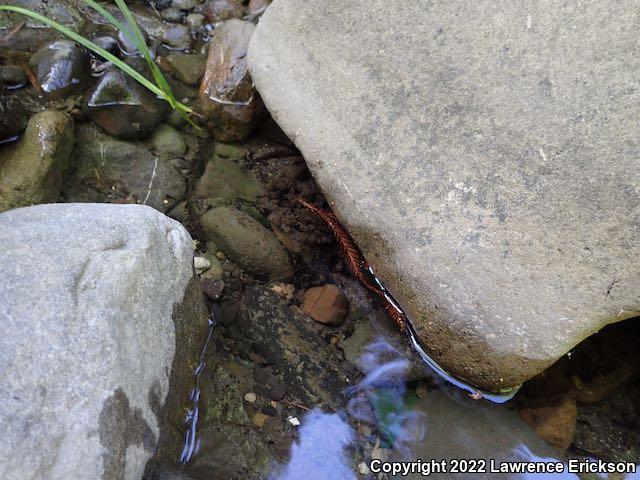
<point x="32" y="169"/>
<point x="247" y="242"/>
<point x="188" y="68"/>
<point x="60" y="67"/>
<point x="168" y="140"/>
<point x="484" y="157"/>
<point x="123" y="107"/>
<point x="177" y="38"/>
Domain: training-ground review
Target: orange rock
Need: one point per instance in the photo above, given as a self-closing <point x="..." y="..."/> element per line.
<point x="555" y="423"/>
<point x="326" y="304"/>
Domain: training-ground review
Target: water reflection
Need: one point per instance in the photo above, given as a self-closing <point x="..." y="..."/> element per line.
<point x="445" y="425"/>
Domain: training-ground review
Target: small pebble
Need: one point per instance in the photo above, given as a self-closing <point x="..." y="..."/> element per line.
<point x="363" y="468"/>
<point x="177" y="38"/>
<point x="195" y="20"/>
<point x="212" y="288"/>
<point x="201" y="264"/>
<point x="278" y="391"/>
<point x="250" y="397"/>
<point x="260" y="390"/>
<point x="168" y="140"/>
<point x="171" y="14"/>
<point x="185" y="4"/>
<point x="259" y="419"/>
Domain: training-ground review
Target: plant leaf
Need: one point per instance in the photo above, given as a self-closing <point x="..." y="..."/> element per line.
<point x="102" y="52"/>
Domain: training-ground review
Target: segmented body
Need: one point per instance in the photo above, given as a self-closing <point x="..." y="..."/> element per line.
<point x="358" y="265"/>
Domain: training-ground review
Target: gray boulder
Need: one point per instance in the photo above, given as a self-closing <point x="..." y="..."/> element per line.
<point x="99" y="313"/>
<point x="483" y="155"/>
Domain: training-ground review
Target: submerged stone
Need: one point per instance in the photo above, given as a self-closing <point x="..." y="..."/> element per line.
<point x="220" y="10"/>
<point x="13" y="119"/>
<point x="106" y="169"/>
<point x="225" y="179"/>
<point x="488" y="170"/>
<point x="123" y="107"/>
<point x="188" y="68"/>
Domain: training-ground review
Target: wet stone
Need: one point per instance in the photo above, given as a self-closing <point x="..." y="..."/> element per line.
<point x="31" y="170"/>
<point x="326" y="304"/>
<point x="106" y="169"/>
<point x="109" y="44"/>
<point x="167" y="140"/>
<point x="269" y="410"/>
<point x="172" y="15"/>
<point x="554" y="422"/>
<point x="212" y="288"/>
<point x="12" y="75"/>
<point x="60" y="67"/>
<point x="160" y="4"/>
<point x="278" y="391"/>
<point x="258" y="6"/>
<point x="123" y="107"/>
<point x="177" y="38"/>
<point x="227" y="96"/>
<point x="227" y="180"/>
<point x="185" y="4"/>
<point x="259" y="419"/>
<point x="188" y="68"/>
<point x="125" y="39"/>
<point x="195" y="21"/>
<point x="219" y="10"/>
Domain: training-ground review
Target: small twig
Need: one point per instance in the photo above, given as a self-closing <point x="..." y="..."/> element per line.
<point x="358" y="264"/>
<point x="13" y="32"/>
<point x="32" y="78"/>
<point x="297" y="405"/>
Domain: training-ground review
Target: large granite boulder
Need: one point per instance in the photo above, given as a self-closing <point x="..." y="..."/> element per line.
<point x="100" y="314"/>
<point x="485" y="157"/>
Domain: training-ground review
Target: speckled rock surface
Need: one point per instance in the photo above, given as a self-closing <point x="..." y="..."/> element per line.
<point x="97" y="304"/>
<point x="484" y="157"/>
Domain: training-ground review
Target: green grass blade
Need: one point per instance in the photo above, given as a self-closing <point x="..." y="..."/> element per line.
<point x="102" y="52"/>
<point x="134" y="34"/>
<point x="161" y="81"/>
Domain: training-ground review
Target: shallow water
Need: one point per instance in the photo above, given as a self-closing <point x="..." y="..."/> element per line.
<point x="445" y="435"/>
